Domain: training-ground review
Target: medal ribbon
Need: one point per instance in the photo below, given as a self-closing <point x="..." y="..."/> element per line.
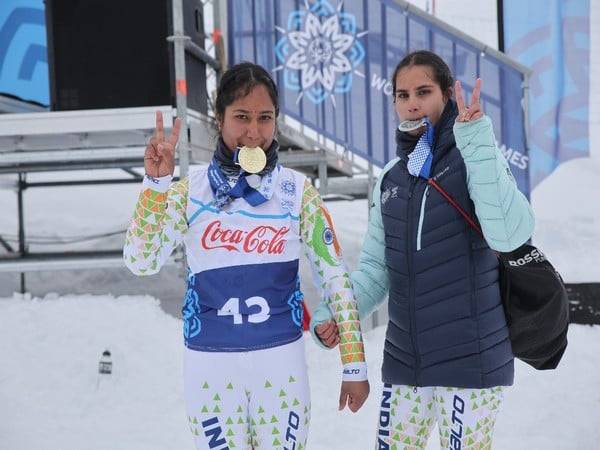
<point x="225" y="194"/>
<point x="419" y="160"/>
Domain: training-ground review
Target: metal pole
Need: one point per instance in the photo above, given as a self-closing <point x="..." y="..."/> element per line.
<point x="179" y="41"/>
<point x="375" y="316"/>
<point x="6" y="245"/>
<point x="201" y="54"/>
<point x="527" y="130"/>
<point x="500" y="21"/>
<point x="322" y="171"/>
<point x="22" y="247"/>
<point x="220" y="26"/>
<point x="370" y="187"/>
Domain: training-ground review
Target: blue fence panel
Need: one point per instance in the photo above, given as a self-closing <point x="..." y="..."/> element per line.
<point x="333" y="62"/>
<point x="23" y="54"/>
<point x="556" y="45"/>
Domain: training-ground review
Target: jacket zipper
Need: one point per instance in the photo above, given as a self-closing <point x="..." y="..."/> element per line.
<point x="411" y="294"/>
<point x="422" y="217"/>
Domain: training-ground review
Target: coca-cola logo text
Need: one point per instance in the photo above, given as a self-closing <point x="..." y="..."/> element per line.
<point x="262" y="239"/>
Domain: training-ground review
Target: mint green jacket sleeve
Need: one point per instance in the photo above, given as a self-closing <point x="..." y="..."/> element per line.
<point x="370" y="281"/>
<point x="504" y="213"/>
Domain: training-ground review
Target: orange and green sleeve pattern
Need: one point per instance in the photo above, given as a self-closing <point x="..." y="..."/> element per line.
<point x="333" y="280"/>
<point x="158" y="225"/>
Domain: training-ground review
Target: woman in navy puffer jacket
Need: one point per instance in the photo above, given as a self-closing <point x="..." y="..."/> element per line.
<point x="447" y="353"/>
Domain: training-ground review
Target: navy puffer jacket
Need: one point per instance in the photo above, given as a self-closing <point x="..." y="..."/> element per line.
<point x="447" y="325"/>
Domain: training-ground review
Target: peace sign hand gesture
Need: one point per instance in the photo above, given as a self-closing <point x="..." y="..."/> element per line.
<point x="159" y="157"/>
<point x="473" y="111"/>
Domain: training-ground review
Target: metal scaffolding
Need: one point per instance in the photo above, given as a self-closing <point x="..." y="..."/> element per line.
<point x="49" y="141"/>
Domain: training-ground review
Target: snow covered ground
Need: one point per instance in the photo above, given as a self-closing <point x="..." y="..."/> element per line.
<point x="52" y="397"/>
<point x="567" y="214"/>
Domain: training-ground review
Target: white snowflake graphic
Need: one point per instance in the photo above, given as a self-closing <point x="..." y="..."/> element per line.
<point x="323" y="48"/>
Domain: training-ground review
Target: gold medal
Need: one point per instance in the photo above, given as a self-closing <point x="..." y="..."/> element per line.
<point x="252" y="159"/>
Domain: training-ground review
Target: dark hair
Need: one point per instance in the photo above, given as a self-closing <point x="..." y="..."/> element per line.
<point x="238" y="81"/>
<point x="441" y="72"/>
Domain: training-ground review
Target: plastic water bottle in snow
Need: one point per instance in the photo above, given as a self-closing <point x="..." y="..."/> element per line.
<point x="105" y="365"/>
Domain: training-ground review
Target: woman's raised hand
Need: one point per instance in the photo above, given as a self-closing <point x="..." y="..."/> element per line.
<point x="466" y="113"/>
<point x="159" y="157"/>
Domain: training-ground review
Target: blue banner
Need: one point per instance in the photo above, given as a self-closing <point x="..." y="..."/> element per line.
<point x="552" y="37"/>
<point x="333" y="62"/>
<point x="23" y="53"/>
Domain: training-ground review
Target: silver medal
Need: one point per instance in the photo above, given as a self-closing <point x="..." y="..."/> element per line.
<point x="411" y="125"/>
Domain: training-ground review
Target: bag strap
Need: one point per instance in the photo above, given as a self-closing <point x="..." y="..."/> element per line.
<point x="453" y="202"/>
